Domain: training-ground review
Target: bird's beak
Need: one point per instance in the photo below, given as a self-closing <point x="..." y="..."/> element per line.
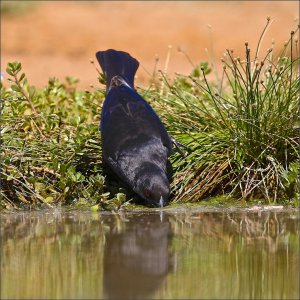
<point x="161" y="202"/>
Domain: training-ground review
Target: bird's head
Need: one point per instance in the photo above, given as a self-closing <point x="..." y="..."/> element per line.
<point x="152" y="185"/>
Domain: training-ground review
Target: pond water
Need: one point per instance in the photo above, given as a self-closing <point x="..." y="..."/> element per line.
<point x="169" y="254"/>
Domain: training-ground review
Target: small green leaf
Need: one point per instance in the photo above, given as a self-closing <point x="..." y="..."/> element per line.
<point x="49" y="199"/>
<point x="22" y="77"/>
<point x="121" y="197"/>
<point x="196" y="72"/>
<point x="15" y="88"/>
<point x="95" y="207"/>
<point x="9" y="71"/>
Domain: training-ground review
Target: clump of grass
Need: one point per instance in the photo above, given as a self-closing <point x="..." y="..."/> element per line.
<point x="243" y="130"/>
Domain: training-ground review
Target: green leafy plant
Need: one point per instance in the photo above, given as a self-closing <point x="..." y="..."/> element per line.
<point x="51" y="150"/>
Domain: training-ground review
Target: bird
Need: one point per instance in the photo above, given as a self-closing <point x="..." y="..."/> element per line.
<point x="135" y="143"/>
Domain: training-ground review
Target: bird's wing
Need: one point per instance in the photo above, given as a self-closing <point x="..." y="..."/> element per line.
<point x="126" y="161"/>
<point x="116" y="168"/>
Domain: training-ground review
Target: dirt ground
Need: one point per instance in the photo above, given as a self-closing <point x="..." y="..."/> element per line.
<point x="58" y="38"/>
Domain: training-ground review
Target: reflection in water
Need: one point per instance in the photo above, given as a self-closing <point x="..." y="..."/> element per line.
<point x="187" y="255"/>
<point x="136" y="260"/>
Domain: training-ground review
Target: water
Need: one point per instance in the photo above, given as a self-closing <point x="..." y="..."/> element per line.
<point x="186" y="254"/>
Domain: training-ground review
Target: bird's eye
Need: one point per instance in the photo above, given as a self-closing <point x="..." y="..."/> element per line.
<point x="146" y="193"/>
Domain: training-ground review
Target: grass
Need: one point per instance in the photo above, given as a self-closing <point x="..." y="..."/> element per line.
<point x="242" y="131"/>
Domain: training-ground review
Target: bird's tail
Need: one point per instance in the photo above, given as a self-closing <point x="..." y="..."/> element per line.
<point x="119" y="63"/>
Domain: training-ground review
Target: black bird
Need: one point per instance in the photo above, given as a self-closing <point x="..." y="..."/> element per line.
<point x="135" y="142"/>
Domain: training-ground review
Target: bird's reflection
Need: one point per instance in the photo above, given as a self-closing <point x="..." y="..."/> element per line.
<point x="137" y="259"/>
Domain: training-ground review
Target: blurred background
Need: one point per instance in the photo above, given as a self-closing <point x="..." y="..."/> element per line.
<point x="58" y="38"/>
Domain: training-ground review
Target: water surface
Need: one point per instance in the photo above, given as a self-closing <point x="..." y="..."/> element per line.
<point x="183" y="254"/>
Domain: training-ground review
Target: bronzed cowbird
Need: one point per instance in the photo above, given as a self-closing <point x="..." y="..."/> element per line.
<point x="136" y="145"/>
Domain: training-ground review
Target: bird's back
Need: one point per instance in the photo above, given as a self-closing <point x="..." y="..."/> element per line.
<point x="132" y="132"/>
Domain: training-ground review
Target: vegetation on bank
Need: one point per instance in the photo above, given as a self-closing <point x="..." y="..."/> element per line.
<point x="242" y="132"/>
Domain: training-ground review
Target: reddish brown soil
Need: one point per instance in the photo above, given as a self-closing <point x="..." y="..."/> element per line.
<point x="58" y="38"/>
